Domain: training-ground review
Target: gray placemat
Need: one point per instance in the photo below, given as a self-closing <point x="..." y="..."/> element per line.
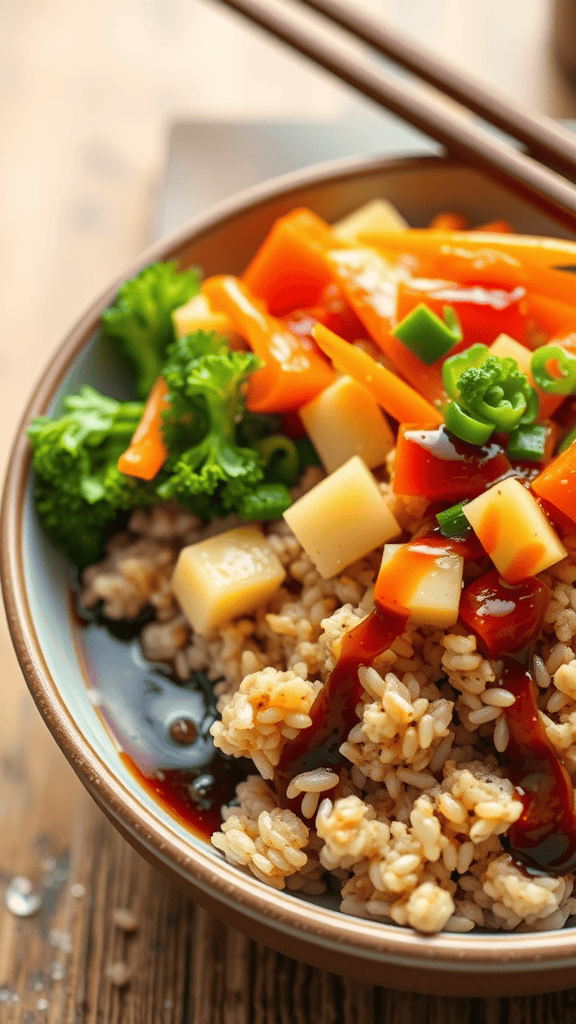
<point x="207" y="161"/>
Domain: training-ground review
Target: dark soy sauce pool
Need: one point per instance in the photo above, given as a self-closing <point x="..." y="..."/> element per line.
<point x="162" y="727"/>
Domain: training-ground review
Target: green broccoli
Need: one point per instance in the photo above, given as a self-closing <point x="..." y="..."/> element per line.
<point x="79" y="490"/>
<point x="139" y="321"/>
<point x="205" y="381"/>
<point x="487" y="393"/>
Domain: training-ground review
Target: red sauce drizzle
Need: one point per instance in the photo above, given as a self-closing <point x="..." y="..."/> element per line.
<point x="508" y="617"/>
<point x="333" y="713"/>
<point x="545" y="834"/>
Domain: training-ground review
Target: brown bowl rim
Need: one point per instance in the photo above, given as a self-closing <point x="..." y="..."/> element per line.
<point x="225" y="884"/>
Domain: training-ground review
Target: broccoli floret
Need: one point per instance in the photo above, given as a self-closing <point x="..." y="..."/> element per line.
<point x="79" y="490"/>
<point x="497" y="391"/>
<point x="205" y="381"/>
<point x="487" y="393"/>
<point x="139" y="321"/>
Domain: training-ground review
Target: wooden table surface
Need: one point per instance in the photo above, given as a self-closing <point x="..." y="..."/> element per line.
<point x="88" y="90"/>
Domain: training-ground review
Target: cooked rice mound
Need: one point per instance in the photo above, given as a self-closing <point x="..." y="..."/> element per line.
<point x="411" y="829"/>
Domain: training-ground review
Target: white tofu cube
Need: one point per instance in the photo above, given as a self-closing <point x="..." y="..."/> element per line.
<point x="342" y="518"/>
<point x="345" y="420"/>
<point x="426" y="581"/>
<point x="377" y="215"/>
<point x="226" y="576"/>
<point x="514" y="531"/>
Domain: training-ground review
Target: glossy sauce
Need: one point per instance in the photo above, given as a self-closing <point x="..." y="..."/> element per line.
<point x="483" y="313"/>
<point x="333" y="713"/>
<point x="162" y="727"/>
<point x="544" y="836"/>
<point x="434" y="464"/>
<point x="504" y="616"/>
<point x="194" y="799"/>
<point x="465" y="544"/>
<point x="508" y="618"/>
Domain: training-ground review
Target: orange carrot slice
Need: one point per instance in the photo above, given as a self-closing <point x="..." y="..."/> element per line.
<point x="449" y="222"/>
<point x="556" y="483"/>
<point x="396" y="397"/>
<point x="289" y="271"/>
<point x="294" y="371"/>
<point x="498" y="227"/>
<point x="147" y="452"/>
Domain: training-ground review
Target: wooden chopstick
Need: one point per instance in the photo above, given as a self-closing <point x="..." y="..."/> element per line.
<point x="547" y="141"/>
<point x="532" y="181"/>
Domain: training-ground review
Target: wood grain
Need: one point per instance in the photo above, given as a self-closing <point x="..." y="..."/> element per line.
<point x="88" y="91"/>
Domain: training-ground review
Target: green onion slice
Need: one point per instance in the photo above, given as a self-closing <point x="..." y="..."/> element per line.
<point x="466" y="427"/>
<point x="279" y="459"/>
<point x="452" y="521"/>
<point x="527" y="444"/>
<point x="565" y="384"/>
<point x="568" y="440"/>
<point x="426" y="335"/>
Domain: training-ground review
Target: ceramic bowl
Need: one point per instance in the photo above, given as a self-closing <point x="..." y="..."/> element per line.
<point x="36" y="585"/>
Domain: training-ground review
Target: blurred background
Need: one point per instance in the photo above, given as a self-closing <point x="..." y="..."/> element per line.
<point x="119" y="118"/>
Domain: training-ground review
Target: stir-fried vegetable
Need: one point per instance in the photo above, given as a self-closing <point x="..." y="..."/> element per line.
<point x="426" y="335"/>
<point x="397" y="398"/>
<point x="207" y="468"/>
<point x="487" y="393"/>
<point x="195" y="442"/>
<point x="79" y="488"/>
<point x="452" y="521"/>
<point x="291" y="371"/>
<point x="139" y="321"/>
<point x="147" y="451"/>
<point x="563" y="380"/>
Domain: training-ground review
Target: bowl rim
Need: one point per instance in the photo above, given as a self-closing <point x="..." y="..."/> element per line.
<point x="222" y="882"/>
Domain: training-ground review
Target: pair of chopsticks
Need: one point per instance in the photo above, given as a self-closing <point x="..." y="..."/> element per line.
<point x="537" y="175"/>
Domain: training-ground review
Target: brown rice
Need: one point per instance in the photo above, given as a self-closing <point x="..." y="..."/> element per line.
<point x="412" y="832"/>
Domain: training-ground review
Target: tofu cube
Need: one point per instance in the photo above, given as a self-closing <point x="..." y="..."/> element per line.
<point x="345" y="420"/>
<point x="342" y="518"/>
<point x="514" y="531"/>
<point x="426" y="581"/>
<point x="226" y="576"/>
<point x="377" y="215"/>
<point x="197" y="315"/>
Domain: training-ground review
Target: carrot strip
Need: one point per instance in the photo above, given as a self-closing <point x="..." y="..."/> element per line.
<point x="530" y="249"/>
<point x="449" y="222"/>
<point x="370" y="287"/>
<point x="294" y="371"/>
<point x="450" y="255"/>
<point x="289" y="271"/>
<point x="507" y="261"/>
<point x="555" y="318"/>
<point x="396" y="397"/>
<point x="147" y="453"/>
<point x="499" y="227"/>
<point x="556" y="483"/>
